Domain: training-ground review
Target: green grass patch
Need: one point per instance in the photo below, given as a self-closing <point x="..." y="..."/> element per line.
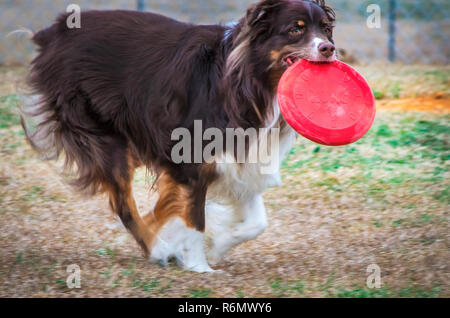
<point x="378" y="94"/>
<point x="395" y="90"/>
<point x="384" y="131"/>
<point x="426" y="218"/>
<point x="33" y="194"/>
<point x="149" y="285"/>
<point x="444" y="195"/>
<point x="362" y="293"/>
<point x="61" y="284"/>
<point x="8" y="113"/>
<point x="200" y="293"/>
<point x="384" y="292"/>
<point x="19" y="258"/>
<point x="397" y="143"/>
<point x="281" y="288"/>
<point x="441" y="76"/>
<point x="415" y="292"/>
<point x="377" y="223"/>
<point x="107" y="251"/>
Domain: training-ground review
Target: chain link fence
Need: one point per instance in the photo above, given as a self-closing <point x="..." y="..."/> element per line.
<point x="411" y="31"/>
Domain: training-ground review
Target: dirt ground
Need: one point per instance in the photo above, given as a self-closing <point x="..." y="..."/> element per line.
<point x="383" y="200"/>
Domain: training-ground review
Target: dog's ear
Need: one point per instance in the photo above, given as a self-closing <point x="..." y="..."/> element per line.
<point x="260" y="11"/>
<point x="328" y="10"/>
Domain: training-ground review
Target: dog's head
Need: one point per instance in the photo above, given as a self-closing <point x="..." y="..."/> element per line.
<point x="273" y="35"/>
<point x="283" y="31"/>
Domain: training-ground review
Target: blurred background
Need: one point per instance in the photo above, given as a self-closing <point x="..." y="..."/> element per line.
<point x="384" y="200"/>
<point x="412" y="31"/>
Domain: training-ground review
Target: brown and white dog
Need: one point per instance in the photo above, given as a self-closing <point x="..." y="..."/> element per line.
<point x="112" y="92"/>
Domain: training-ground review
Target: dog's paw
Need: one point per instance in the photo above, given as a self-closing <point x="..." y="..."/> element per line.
<point x="161" y="253"/>
<point x="199" y="268"/>
<point x="218" y="247"/>
<point x="214" y="256"/>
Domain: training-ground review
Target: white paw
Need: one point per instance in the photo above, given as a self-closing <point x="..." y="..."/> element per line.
<point x="216" y="254"/>
<point x="219" y="246"/>
<point x="161" y="253"/>
<point x="199" y="268"/>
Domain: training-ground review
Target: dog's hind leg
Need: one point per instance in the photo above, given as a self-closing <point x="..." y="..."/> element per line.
<point x="119" y="188"/>
<point x="97" y="158"/>
<point x="178" y="232"/>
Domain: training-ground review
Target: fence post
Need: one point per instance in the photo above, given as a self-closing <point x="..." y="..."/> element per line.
<point x="141" y="5"/>
<point x="392" y="29"/>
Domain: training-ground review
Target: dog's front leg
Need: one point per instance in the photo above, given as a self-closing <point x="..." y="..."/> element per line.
<point x="176" y="240"/>
<point x="229" y="226"/>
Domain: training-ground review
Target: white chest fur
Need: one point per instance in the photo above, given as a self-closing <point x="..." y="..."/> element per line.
<point x="235" y="210"/>
<point x="239" y="181"/>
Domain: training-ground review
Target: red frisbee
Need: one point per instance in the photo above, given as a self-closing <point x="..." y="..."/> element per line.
<point x="330" y="104"/>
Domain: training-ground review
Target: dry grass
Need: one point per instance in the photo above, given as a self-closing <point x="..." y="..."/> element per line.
<point x="383" y="200"/>
<point x="395" y="81"/>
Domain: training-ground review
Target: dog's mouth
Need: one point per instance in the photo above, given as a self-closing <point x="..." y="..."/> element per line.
<point x="289" y="60"/>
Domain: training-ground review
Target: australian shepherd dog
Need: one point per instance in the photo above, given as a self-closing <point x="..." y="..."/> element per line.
<point x="112" y="92"/>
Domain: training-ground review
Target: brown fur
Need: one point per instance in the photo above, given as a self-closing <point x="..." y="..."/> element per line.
<point x="112" y="92"/>
<point x="178" y="200"/>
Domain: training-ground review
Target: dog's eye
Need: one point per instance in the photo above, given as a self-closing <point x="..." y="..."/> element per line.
<point x="328" y="28"/>
<point x="297" y="30"/>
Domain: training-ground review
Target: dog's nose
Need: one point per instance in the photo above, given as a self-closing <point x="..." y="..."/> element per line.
<point x="327" y="49"/>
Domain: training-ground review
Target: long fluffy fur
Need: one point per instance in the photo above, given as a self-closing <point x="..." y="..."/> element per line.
<point x="112" y="92"/>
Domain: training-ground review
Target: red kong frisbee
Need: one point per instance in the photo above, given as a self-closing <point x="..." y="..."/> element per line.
<point x="330" y="104"/>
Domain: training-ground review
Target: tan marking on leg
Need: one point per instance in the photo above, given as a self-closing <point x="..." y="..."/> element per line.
<point x="123" y="204"/>
<point x="174" y="201"/>
<point x="178" y="200"/>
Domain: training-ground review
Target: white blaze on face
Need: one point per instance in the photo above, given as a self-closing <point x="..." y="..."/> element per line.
<point x="317" y="42"/>
<point x="315" y="54"/>
<point x="315" y="47"/>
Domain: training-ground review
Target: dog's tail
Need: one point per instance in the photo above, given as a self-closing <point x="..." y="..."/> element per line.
<point x="29" y="33"/>
<point x="54" y="128"/>
<point x="57" y="121"/>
